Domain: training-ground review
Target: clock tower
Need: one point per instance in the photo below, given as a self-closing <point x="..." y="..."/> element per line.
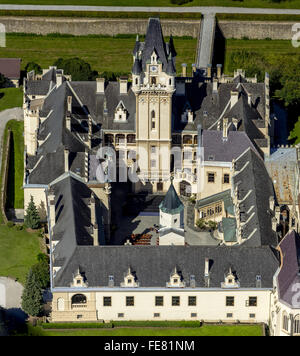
<point x="153" y="82"/>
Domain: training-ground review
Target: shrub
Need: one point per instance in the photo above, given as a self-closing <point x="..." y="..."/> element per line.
<point x="180" y="2"/>
<point x="212" y="225"/>
<point x="77" y="326"/>
<point x="77" y="68"/>
<point x="10" y="224"/>
<point x="19" y="227"/>
<point x="201" y="223"/>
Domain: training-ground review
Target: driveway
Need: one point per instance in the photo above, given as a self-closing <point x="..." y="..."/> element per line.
<point x="199" y="9"/>
<point x="5" y="116"/>
<point x="10" y="293"/>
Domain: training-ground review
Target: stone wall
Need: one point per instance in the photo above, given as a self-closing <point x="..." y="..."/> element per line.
<point x="87" y="26"/>
<point x="257" y="29"/>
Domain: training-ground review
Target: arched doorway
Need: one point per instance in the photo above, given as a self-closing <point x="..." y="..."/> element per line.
<point x="185" y="189"/>
<point x="78" y="299"/>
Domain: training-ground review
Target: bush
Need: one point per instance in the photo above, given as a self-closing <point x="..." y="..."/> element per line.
<point x="180" y="2"/>
<point x="212" y="225"/>
<point x="201" y="223"/>
<point x="77" y="326"/>
<point x="162" y="323"/>
<point x="77" y="68"/>
<point x="10" y="224"/>
<point x="19" y="227"/>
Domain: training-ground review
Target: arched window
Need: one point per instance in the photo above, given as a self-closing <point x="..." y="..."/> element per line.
<point x="297" y="325"/>
<point x="170" y="81"/>
<point x="285" y="322"/>
<point x="152" y="114"/>
<point x="153" y="80"/>
<point x="79" y="299"/>
<point x="136" y="81"/>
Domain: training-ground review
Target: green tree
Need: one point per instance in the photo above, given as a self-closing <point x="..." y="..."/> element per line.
<point x="77" y="68"/>
<point x="41" y="271"/>
<point x="32" y="218"/>
<point x="33" y="66"/>
<point x="2" y="80"/>
<point x="32" y="297"/>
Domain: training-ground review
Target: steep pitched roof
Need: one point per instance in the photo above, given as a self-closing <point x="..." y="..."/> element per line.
<point x="171" y="204"/>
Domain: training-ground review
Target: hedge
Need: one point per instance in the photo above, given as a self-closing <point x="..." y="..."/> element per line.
<point x="77" y="325"/>
<point x="257" y="17"/>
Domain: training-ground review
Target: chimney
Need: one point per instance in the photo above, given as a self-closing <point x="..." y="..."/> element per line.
<point x="59" y="80"/>
<point x="66" y="160"/>
<point x="68" y="121"/>
<point x="219" y="70"/>
<point x="225" y="128"/>
<point x="250" y="99"/>
<point x="51" y="199"/>
<point x="215" y="85"/>
<point x="235" y="123"/>
<point x="69" y="104"/>
<point x="233" y="98"/>
<point x="206" y="272"/>
<point x="190" y="117"/>
<point x="93" y="209"/>
<point x="208" y="71"/>
<point x="123" y="85"/>
<point x="100" y="85"/>
<point x="272" y="203"/>
<point x="183" y="69"/>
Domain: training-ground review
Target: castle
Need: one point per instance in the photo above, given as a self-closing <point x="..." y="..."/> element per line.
<point x="206" y="138"/>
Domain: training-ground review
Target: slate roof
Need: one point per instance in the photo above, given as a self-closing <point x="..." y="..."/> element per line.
<point x="254" y="190"/>
<point x="171" y="203"/>
<point x="73" y="217"/>
<point x="154" y="264"/>
<point x="217" y="149"/>
<point x="10" y="67"/>
<point x="282" y="167"/>
<point x="229" y="229"/>
<point x="38" y="87"/>
<point x="224" y="196"/>
<point x="290" y="267"/>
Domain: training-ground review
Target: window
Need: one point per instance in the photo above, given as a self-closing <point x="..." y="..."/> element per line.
<point x="129" y="301"/>
<point x="192" y="301"/>
<point x="159" y="301"/>
<point x="229" y="301"/>
<point x="252" y="301"/>
<point x="175" y="301"/>
<point x="121" y="315"/>
<point x="136" y="81"/>
<point x="285" y="322"/>
<point x="153" y="124"/>
<point x="79" y="299"/>
<point x="193" y="315"/>
<point x="153" y="149"/>
<point x="78" y="281"/>
<point x="79" y="316"/>
<point x="229" y="315"/>
<point x="297" y="324"/>
<point x="156" y="315"/>
<point x="211" y="177"/>
<point x="153" y="80"/>
<point x="153" y="163"/>
<point x="251" y="316"/>
<point x="107" y="301"/>
<point x="226" y="179"/>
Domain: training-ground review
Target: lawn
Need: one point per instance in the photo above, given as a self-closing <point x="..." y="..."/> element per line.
<point x="206" y="330"/>
<point x="246" y="3"/>
<point x="271" y="50"/>
<point x="103" y="53"/>
<point x="15" y="193"/>
<point x="18" y="251"/>
<point x="10" y="98"/>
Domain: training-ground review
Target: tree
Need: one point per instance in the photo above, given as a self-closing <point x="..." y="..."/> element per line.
<point x="33" y="66"/>
<point x="32" y="218"/>
<point x="32" y="297"/>
<point x="2" y="80"/>
<point x="41" y="271"/>
<point x="77" y="68"/>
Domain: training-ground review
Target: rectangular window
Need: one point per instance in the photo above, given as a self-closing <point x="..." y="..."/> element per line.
<point x="192" y="301"/>
<point x="229" y="315"/>
<point x="107" y="301"/>
<point x="211" y="177"/>
<point x="79" y="316"/>
<point x="226" y="179"/>
<point x="252" y="302"/>
<point x="252" y="316"/>
<point x="229" y="301"/>
<point x="156" y="315"/>
<point x="121" y="315"/>
<point x="129" y="301"/>
<point x="153" y="163"/>
<point x="175" y="301"/>
<point x="193" y="315"/>
<point x="153" y="124"/>
<point x="159" y="301"/>
<point x="153" y="149"/>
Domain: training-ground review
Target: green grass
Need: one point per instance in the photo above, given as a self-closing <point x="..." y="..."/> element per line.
<point x="18" y="251"/>
<point x="206" y="330"/>
<point x="246" y="3"/>
<point x="10" y="98"/>
<point x="272" y="51"/>
<point x="15" y="193"/>
<point x="103" y="53"/>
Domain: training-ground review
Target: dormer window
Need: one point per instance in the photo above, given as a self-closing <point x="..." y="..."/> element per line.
<point x="230" y="280"/>
<point x="176" y="280"/>
<point x="130" y="280"/>
<point x="121" y="112"/>
<point x="79" y="280"/>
